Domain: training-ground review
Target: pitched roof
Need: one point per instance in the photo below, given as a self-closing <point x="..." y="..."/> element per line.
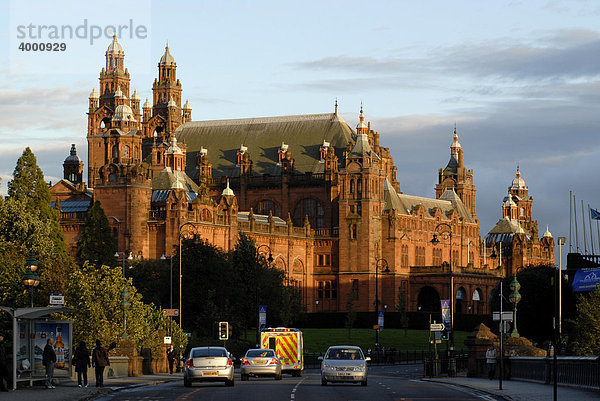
<point x="404" y="204"/>
<point x="505" y="230"/>
<point x="304" y="135"/>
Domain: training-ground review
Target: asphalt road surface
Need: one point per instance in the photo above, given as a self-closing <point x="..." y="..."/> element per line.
<point x="392" y="383"/>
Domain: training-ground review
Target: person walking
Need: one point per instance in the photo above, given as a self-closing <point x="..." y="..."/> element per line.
<point x="490" y="356"/>
<point x="171" y="358"/>
<point x="81" y="360"/>
<point x="3" y="367"/>
<point x="99" y="362"/>
<point x="48" y="360"/>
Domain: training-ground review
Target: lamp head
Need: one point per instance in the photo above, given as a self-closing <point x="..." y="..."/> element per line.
<point x="31" y="263"/>
<point x="435" y="240"/>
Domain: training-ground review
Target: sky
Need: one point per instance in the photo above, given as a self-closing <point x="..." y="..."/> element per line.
<point x="521" y="80"/>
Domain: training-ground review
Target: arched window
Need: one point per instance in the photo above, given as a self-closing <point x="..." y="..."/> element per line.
<point x="126" y="152"/>
<point x="311" y="208"/>
<point x="353" y="231"/>
<point x="266" y="205"/>
<point x="461" y="298"/>
<point x="115" y="153"/>
<point x="359" y="186"/>
<point x="351" y="186"/>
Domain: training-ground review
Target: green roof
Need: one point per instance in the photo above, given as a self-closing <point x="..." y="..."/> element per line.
<point x="263" y="137"/>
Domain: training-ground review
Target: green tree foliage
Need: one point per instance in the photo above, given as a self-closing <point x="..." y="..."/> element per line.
<point x="535" y="311"/>
<point x="351" y="314"/>
<point x="96" y="243"/>
<point x="96" y="293"/>
<point x="28" y="186"/>
<point x="219" y="287"/>
<point x="402" y="310"/>
<point x="29" y="224"/>
<point x="587" y="324"/>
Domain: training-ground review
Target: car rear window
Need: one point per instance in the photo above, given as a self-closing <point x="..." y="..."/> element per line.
<point x="255" y="353"/>
<point x="344" y="353"/>
<point x="209" y="352"/>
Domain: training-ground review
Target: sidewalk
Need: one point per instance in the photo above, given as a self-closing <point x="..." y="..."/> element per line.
<point x="514" y="390"/>
<point x="67" y="389"/>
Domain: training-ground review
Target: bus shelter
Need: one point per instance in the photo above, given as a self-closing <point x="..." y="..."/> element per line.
<point x="31" y="330"/>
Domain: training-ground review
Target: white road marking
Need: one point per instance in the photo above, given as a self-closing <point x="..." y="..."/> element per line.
<point x="293" y="395"/>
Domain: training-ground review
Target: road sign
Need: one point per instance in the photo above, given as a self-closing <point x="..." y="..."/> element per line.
<point x="262" y="315"/>
<point x="167" y="339"/>
<point x="506" y="316"/>
<point x="171" y="312"/>
<point x="446" y="316"/>
<point x="437" y="327"/>
<point x="380" y="320"/>
<point x="57" y="299"/>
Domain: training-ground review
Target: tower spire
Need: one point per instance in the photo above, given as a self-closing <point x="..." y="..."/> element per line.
<point x="336" y="106"/>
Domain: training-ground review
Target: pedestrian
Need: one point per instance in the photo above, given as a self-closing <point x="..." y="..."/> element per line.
<point x="3" y="367"/>
<point x="171" y="358"/>
<point x="490" y="356"/>
<point x="99" y="362"/>
<point x="81" y="360"/>
<point x="48" y="360"/>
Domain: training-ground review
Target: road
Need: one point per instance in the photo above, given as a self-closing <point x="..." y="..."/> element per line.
<point x="392" y="383"/>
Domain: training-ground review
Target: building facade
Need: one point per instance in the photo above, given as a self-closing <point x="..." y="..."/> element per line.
<point x="324" y="198"/>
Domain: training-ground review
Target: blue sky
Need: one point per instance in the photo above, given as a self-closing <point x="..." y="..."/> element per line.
<point x="520" y="78"/>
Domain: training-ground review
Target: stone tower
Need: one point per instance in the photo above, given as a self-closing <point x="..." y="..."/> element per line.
<point x="73" y="167"/>
<point x="456" y="176"/>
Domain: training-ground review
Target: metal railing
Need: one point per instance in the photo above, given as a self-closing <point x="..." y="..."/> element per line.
<point x="396" y="357"/>
<point x="575" y="371"/>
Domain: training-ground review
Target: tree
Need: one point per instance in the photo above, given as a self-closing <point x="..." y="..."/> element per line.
<point x="28" y="186"/>
<point x="402" y="310"/>
<point x="587" y="324"/>
<point x="351" y="314"/>
<point x="96" y="292"/>
<point x="96" y="243"/>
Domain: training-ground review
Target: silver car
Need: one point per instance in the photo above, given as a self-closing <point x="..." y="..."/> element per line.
<point x="344" y="363"/>
<point x="260" y="362"/>
<point x="208" y="364"/>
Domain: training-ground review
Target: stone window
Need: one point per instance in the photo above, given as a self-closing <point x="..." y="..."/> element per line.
<point x="354" y="291"/>
<point x="404" y="256"/>
<point x="311" y="208"/>
<point x="266" y="205"/>
<point x="126" y="152"/>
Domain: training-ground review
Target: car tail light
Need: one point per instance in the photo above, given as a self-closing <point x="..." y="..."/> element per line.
<point x="274" y="361"/>
<point x="190" y="363"/>
<point x="246" y="362"/>
<point x="229" y="362"/>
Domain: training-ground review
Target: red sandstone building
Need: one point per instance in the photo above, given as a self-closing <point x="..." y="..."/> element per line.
<point x="323" y="197"/>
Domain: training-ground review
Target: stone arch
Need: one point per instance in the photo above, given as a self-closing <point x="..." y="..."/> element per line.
<point x="428" y="300"/>
<point x="462" y="299"/>
<point x="477" y="301"/>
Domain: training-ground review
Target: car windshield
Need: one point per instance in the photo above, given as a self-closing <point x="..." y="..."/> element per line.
<point x="256" y="353"/>
<point x="209" y="352"/>
<point x="344" y="353"/>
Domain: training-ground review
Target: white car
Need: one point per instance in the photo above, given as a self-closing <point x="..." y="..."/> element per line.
<point x="344" y="363"/>
<point x="208" y="364"/>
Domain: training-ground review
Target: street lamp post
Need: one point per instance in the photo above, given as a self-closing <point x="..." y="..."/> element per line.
<point x="259" y="257"/>
<point x="124" y="294"/>
<point x="31" y="279"/>
<point x="187" y="231"/>
<point x="445" y="228"/>
<point x="385" y="269"/>
<point x="514" y="298"/>
<point x="164" y="257"/>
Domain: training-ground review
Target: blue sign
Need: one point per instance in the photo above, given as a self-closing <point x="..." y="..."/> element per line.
<point x="446" y="318"/>
<point x="380" y="319"/>
<point x="586" y="279"/>
<point x="262" y="316"/>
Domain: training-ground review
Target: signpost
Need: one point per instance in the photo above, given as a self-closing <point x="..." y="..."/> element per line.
<point x="262" y="316"/>
<point x="57" y="299"/>
<point x="437" y="327"/>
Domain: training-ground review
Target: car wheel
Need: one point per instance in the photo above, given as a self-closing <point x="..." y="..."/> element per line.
<point x="229" y="383"/>
<point x="323" y="382"/>
<point x="244" y="378"/>
<point x="363" y="383"/>
<point x="186" y="382"/>
<point x="278" y="377"/>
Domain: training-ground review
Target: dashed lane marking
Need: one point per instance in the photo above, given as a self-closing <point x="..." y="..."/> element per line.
<point x="293" y="394"/>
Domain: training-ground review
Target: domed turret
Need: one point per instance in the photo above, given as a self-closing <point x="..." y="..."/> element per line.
<point x="123" y="113"/>
<point x="115" y="47"/>
<point x="135" y="96"/>
<point x="173" y="149"/>
<point x="166" y="58"/>
<point x="94" y="94"/>
<point x="147" y="104"/>
<point x="518" y="182"/>
<point x="187" y="105"/>
<point x="227" y="191"/>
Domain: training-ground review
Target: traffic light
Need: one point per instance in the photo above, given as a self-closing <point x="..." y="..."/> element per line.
<point x="223" y="331"/>
<point x="445" y="335"/>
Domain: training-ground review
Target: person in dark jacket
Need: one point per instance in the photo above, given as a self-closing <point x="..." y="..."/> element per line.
<point x="99" y="361"/>
<point x="48" y="360"/>
<point x="81" y="360"/>
<point x="171" y="358"/>
<point x="3" y="367"/>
